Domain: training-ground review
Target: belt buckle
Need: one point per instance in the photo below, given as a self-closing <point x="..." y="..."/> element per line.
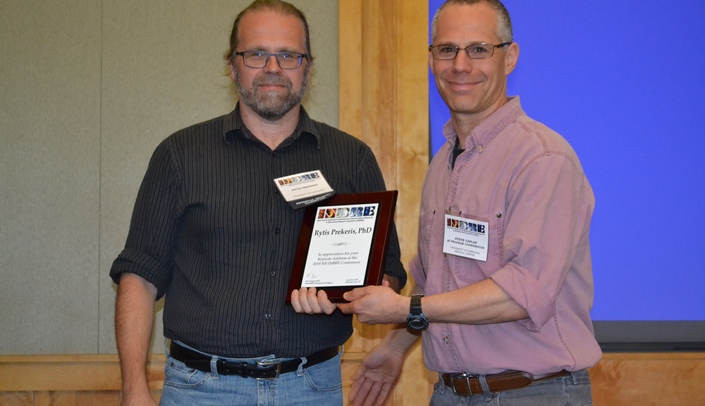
<point x="465" y="377"/>
<point x="268" y="363"/>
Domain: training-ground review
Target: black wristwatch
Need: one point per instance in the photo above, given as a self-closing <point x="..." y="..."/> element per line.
<point x="416" y="319"/>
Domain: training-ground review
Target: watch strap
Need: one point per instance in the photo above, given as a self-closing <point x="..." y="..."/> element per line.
<point x="415" y="306"/>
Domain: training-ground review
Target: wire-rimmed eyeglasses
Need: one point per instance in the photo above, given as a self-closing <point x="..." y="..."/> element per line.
<point x="259" y="59"/>
<point x="480" y="50"/>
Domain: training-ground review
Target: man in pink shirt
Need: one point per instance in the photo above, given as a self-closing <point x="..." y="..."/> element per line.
<point x="503" y="262"/>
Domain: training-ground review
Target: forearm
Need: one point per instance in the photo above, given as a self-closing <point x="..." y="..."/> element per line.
<point x="134" y="318"/>
<point x="400" y="339"/>
<point x="480" y="303"/>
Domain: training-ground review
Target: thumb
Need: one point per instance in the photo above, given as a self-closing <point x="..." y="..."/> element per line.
<point x="346" y="308"/>
<point x="354" y="294"/>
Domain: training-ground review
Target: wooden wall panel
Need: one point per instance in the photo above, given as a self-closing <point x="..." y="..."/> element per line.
<point x="384" y="101"/>
<point x="16" y="398"/>
<point x="664" y="379"/>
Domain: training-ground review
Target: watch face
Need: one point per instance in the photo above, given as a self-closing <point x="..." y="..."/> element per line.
<point x="418" y="323"/>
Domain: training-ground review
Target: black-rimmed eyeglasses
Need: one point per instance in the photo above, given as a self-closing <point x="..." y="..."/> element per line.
<point x="259" y="59"/>
<point x="480" y="50"/>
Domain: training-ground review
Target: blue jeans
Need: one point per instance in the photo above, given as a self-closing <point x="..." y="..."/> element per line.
<point x="569" y="390"/>
<point x="320" y="384"/>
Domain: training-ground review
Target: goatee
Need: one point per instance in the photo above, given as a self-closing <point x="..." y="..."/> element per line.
<point x="271" y="106"/>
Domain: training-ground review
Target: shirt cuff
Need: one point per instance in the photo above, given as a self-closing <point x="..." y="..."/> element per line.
<point x="528" y="293"/>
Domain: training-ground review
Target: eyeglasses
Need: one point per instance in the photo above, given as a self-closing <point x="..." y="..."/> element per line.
<point x="480" y="50"/>
<point x="260" y="59"/>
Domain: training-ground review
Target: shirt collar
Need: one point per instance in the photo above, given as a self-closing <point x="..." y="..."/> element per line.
<point x="234" y="127"/>
<point x="485" y="132"/>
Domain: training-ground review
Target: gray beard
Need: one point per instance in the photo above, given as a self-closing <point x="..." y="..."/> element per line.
<point x="270" y="107"/>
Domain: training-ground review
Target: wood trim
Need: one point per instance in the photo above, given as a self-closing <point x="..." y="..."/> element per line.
<point x="70" y="372"/>
<point x="618" y="379"/>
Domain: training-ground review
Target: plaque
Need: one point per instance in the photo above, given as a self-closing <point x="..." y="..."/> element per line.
<point x="343" y="243"/>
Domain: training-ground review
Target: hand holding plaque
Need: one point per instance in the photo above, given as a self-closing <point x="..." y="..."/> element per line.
<point x="343" y="243"/>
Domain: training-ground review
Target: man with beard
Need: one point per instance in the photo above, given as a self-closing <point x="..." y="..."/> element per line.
<point x="220" y="246"/>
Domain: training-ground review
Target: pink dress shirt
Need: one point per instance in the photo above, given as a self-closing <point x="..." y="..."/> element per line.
<point x="526" y="181"/>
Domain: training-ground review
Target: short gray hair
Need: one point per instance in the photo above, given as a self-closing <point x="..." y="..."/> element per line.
<point x="504" y="22"/>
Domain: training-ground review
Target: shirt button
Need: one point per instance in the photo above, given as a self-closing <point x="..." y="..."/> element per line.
<point x="446" y="339"/>
<point x="277" y="230"/>
<point x="267" y="316"/>
<point x="272" y="273"/>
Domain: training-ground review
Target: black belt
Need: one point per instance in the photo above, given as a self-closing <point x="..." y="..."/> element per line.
<point x="466" y="384"/>
<point x="261" y="370"/>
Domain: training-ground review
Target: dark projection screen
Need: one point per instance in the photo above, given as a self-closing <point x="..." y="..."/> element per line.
<point x="623" y="83"/>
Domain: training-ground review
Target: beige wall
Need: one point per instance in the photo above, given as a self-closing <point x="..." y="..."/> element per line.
<point x="87" y="90"/>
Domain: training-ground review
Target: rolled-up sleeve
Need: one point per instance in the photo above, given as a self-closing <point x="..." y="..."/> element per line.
<point x="150" y="241"/>
<point x="550" y="204"/>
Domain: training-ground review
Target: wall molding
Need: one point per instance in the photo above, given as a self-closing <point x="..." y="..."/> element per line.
<point x="618" y="379"/>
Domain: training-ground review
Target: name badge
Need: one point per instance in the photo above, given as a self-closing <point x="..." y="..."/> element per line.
<point x="465" y="237"/>
<point x="303" y="189"/>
